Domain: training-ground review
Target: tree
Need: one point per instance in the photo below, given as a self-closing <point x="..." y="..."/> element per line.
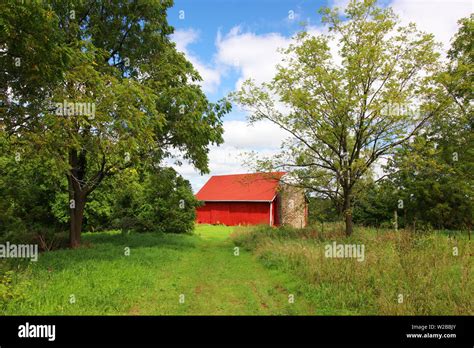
<point x="436" y="169"/>
<point x="431" y="180"/>
<point x="31" y="61"/>
<point x="459" y="75"/>
<point x="432" y="174"/>
<point x="375" y="206"/>
<point x="345" y="116"/>
<point x="122" y="95"/>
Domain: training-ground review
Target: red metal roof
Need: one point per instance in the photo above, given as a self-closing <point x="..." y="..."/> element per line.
<point x="241" y="187"/>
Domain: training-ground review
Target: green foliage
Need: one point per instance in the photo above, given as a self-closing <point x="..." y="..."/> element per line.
<point x="434" y="188"/>
<point x="160" y="200"/>
<point x="142" y="97"/>
<point x="339" y="112"/>
<point x="28" y="188"/>
<point x="123" y="61"/>
<point x="322" y="210"/>
<point x="376" y="205"/>
<point x="431" y="175"/>
<point x="34" y="209"/>
<point x="31" y="60"/>
<point x="12" y="289"/>
<point x="459" y="77"/>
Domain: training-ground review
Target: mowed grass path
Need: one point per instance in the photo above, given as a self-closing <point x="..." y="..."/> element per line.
<point x="99" y="279"/>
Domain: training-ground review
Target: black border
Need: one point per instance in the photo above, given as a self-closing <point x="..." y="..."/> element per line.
<point x="224" y="330"/>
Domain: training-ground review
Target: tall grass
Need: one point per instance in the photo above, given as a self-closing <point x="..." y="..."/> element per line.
<point x="403" y="273"/>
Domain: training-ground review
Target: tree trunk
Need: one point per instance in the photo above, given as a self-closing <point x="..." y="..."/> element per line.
<point x="348" y="212"/>
<point x="76" y="213"/>
<point x="77" y="196"/>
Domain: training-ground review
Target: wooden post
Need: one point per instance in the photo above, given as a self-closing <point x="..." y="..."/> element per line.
<point x="405" y="221"/>
<point x="395" y="218"/>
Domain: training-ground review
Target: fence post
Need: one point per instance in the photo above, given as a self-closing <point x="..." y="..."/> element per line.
<point x="395" y="218"/>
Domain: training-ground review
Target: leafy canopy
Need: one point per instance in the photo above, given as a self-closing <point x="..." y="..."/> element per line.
<point x="344" y="111"/>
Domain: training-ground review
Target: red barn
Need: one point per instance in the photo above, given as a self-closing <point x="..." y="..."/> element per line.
<point x="245" y="199"/>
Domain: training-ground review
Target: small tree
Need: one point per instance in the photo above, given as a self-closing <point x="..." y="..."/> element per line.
<point x="343" y="117"/>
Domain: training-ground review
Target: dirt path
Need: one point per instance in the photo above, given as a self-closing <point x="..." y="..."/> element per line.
<point x="215" y="281"/>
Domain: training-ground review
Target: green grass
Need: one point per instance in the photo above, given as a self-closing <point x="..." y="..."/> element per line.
<point x="161" y="267"/>
<point x="272" y="264"/>
<point x="421" y="267"/>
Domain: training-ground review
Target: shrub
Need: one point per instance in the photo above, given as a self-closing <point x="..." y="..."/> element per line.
<point x="160" y="201"/>
<point x="10" y="288"/>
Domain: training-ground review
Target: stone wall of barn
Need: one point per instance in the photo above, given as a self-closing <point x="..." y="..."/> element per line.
<point x="293" y="206"/>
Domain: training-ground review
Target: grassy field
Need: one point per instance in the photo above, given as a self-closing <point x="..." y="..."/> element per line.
<point x="99" y="279"/>
<point x="402" y="273"/>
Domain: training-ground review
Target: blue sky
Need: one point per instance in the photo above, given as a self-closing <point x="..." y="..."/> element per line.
<point x="229" y="41"/>
<point x="257" y="16"/>
<point x="208" y="18"/>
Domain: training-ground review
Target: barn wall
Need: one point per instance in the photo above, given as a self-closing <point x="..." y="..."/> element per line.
<point x="276" y="212"/>
<point x="293" y="206"/>
<point x="234" y="213"/>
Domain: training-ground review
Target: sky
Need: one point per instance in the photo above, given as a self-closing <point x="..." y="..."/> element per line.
<point x="230" y="41"/>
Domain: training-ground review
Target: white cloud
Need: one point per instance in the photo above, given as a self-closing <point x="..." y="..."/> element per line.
<point x="341" y="4"/>
<point x="184" y="37"/>
<point x="434" y="16"/>
<point x="256" y="56"/>
<point x="239" y="138"/>
<point x="262" y="135"/>
<point x="211" y="76"/>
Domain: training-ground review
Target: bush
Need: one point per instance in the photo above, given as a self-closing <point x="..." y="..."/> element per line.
<point x="10" y="288"/>
<point x="27" y="190"/>
<point x="161" y="201"/>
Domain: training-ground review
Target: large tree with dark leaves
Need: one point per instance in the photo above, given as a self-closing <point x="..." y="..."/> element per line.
<point x="98" y="87"/>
